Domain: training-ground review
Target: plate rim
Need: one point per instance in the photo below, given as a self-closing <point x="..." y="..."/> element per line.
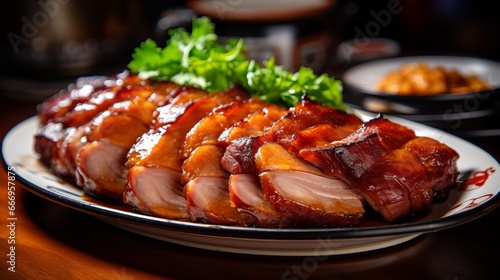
<point x="256" y="232"/>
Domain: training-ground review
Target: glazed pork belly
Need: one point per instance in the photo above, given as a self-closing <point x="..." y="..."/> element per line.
<point x="238" y="157"/>
<point x="206" y="182"/>
<point x="64" y="116"/>
<point x="303" y="193"/>
<point x="79" y="92"/>
<point x="350" y="157"/>
<point x="157" y="153"/>
<point x="278" y="188"/>
<point x="100" y="159"/>
<point x="395" y="171"/>
<point x="107" y="125"/>
<point x="255" y="124"/>
<point x="407" y="179"/>
<point x="227" y="158"/>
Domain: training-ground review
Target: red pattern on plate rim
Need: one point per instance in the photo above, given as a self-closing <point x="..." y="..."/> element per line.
<point x="472" y="203"/>
<point x="477" y="180"/>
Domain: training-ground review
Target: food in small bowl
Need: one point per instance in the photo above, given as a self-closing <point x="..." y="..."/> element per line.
<point x="424" y="85"/>
<point x="421" y="79"/>
<point x="458" y="94"/>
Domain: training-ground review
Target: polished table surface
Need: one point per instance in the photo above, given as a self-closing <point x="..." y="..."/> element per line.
<point x="55" y="242"/>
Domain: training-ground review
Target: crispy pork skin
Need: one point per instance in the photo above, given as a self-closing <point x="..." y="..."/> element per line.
<point x="405" y="180"/>
<point x="350" y="157"/>
<point x="78" y="92"/>
<point x="440" y="161"/>
<point x="204" y="161"/>
<point x="208" y="130"/>
<point x="307" y="114"/>
<point x="239" y="155"/>
<point x="318" y="135"/>
<point x="255" y="124"/>
<point x="304" y="115"/>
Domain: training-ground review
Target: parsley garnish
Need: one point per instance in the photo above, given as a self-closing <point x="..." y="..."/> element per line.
<point x="199" y="60"/>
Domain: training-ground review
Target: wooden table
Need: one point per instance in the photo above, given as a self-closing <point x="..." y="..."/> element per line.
<point x="55" y="242"/>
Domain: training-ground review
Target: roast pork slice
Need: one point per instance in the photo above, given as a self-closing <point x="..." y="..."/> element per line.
<point x="101" y="171"/>
<point x="273" y="156"/>
<point x="350" y="157"/>
<point x="206" y="181"/>
<point x="160" y="146"/>
<point x="440" y="161"/>
<point x="101" y="163"/>
<point x="156" y="191"/>
<point x="308" y="114"/>
<point x="406" y="180"/>
<point x="309" y="199"/>
<point x="396" y="185"/>
<point x="255" y="124"/>
<point x="208" y="201"/>
<point x="78" y="108"/>
<point x="318" y="135"/>
<point x="206" y="188"/>
<point x="208" y="129"/>
<point x="48" y="141"/>
<point x="116" y="130"/>
<point x="59" y="121"/>
<point x="78" y="92"/>
<point x="204" y="161"/>
<point x="302" y="192"/>
<point x="239" y="154"/>
<point x="246" y="196"/>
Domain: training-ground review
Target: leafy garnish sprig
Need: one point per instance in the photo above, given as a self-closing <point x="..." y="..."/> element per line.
<point x="199" y="60"/>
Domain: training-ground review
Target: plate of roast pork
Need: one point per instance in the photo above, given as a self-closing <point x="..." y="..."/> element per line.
<point x="231" y="171"/>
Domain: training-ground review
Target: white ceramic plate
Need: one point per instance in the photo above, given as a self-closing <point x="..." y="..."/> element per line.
<point x="465" y="203"/>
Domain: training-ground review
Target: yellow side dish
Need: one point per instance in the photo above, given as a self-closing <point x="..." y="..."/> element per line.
<point x="420" y="79"/>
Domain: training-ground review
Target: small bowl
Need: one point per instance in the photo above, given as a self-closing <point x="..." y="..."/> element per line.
<point x="443" y="110"/>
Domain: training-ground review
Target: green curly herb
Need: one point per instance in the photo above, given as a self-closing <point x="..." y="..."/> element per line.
<point x="199" y="60"/>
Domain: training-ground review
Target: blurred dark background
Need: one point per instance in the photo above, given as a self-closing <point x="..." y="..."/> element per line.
<point x="438" y="26"/>
<point x="47" y="43"/>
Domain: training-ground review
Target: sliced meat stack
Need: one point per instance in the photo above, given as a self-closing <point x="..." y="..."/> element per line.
<point x="231" y="159"/>
<point x="88" y="129"/>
